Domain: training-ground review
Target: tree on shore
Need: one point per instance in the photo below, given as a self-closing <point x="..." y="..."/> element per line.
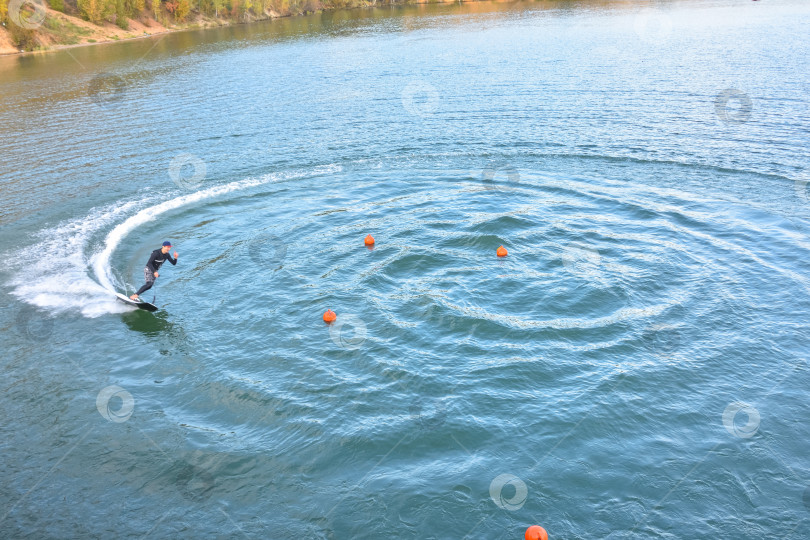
<point x="134" y="7"/>
<point x="96" y="11"/>
<point x="182" y="11"/>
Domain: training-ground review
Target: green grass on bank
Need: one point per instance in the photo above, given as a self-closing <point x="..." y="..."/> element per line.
<point x="168" y="13"/>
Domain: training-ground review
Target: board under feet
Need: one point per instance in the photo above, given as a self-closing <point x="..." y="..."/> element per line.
<point x="137" y="303"/>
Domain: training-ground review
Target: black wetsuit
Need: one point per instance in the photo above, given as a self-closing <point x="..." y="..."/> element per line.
<point x="156" y="259"/>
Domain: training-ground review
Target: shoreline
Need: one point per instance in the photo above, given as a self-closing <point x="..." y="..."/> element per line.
<point x="201" y="23"/>
<point x="57" y="48"/>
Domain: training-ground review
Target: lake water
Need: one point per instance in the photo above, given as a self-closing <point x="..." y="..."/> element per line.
<point x="634" y="368"/>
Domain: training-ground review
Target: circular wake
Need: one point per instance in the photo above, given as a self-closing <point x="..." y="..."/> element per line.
<point x="72" y="273"/>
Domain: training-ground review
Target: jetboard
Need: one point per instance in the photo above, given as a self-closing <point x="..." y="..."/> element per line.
<point x="139" y="303"/>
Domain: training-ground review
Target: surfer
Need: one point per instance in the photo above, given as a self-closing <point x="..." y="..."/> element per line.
<point x="150" y="272"/>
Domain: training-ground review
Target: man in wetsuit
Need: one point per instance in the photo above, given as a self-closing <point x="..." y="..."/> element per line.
<point x="150" y="272"/>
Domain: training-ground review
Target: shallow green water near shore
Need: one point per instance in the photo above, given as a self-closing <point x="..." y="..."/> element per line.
<point x="634" y="368"/>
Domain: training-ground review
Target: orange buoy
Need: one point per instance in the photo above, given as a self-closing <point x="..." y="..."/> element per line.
<point x="329" y="316"/>
<point x="501" y="251"/>
<point x="369" y="240"/>
<point x="536" y="532"/>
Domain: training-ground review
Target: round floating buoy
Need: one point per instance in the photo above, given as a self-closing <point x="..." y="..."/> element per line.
<point x="329" y="316"/>
<point x="369" y="240"/>
<point x="536" y="532"/>
<point x="501" y="251"/>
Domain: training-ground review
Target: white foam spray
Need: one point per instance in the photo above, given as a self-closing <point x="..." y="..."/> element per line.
<point x="58" y="280"/>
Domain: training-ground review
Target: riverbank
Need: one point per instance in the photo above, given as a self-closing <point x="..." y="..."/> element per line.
<point x="60" y="31"/>
<point x="36" y="27"/>
<point x="55" y="30"/>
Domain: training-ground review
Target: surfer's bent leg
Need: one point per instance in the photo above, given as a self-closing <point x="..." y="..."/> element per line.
<point x="150" y="280"/>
